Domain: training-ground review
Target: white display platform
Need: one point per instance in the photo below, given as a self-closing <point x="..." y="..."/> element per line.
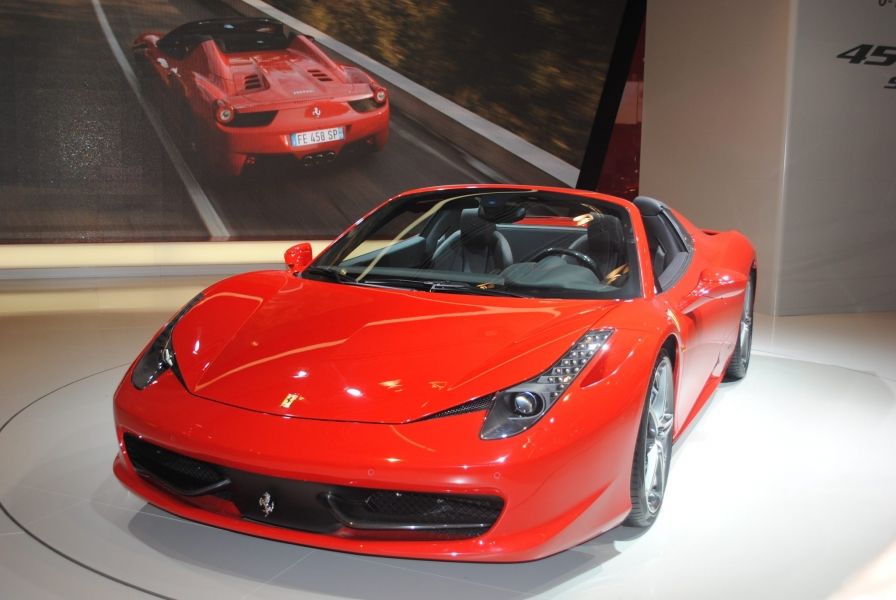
<point x="781" y="489"/>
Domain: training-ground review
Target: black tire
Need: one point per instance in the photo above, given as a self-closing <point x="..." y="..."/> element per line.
<point x="646" y="503"/>
<point x="740" y="358"/>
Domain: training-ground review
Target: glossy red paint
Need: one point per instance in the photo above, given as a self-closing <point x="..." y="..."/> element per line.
<point x="300" y="85"/>
<point x="298" y="257"/>
<point x="368" y="355"/>
<point x="366" y="364"/>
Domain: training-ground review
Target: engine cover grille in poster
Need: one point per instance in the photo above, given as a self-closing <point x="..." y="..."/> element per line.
<point x="174" y="120"/>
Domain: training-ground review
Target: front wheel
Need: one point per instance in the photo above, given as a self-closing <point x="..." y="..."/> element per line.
<point x="653" y="450"/>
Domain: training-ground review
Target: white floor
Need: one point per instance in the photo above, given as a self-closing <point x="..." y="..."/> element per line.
<point x="782" y="489"/>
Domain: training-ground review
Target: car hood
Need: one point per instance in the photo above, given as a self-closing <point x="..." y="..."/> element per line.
<point x="289" y="76"/>
<point x="320" y="350"/>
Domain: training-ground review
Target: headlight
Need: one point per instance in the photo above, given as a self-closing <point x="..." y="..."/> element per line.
<point x="159" y="357"/>
<point x="517" y="408"/>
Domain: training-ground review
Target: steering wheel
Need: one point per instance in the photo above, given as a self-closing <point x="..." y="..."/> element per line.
<point x="583" y="258"/>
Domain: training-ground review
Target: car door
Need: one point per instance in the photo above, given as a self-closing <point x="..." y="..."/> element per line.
<point x="703" y="331"/>
<point x="677" y="268"/>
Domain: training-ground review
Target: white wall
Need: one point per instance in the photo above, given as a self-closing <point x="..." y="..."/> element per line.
<point x="838" y="250"/>
<point x="752" y="122"/>
<point x="715" y="103"/>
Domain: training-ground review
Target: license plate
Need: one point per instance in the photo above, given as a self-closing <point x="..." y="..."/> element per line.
<point x="318" y="136"/>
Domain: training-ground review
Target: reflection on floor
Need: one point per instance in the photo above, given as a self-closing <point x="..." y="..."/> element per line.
<point x="782" y="489"/>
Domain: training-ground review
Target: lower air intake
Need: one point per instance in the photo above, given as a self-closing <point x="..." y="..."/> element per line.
<point x="175" y="472"/>
<point x="413" y="511"/>
<point x="318" y="507"/>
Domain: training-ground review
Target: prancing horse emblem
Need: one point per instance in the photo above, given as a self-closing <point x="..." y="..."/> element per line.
<point x="290" y="398"/>
<point x="266" y="503"/>
<point x="315" y="112"/>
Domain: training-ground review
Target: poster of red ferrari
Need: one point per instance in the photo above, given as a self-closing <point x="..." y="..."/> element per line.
<point x="183" y="120"/>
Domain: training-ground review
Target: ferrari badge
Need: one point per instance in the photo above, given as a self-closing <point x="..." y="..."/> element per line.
<point x="266" y="502"/>
<point x="287" y="402"/>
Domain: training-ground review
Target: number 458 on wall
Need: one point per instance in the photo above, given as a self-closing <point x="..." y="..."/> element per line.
<point x="869" y="54"/>
<point x="859" y="55"/>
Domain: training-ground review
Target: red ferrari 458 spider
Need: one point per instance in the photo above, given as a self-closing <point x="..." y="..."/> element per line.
<point x="251" y="89"/>
<point x="482" y="373"/>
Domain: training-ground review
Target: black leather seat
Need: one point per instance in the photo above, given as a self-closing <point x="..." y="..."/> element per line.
<point x="476" y="247"/>
<point x="604" y="243"/>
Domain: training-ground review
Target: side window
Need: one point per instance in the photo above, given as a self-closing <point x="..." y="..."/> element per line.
<point x="670" y="249"/>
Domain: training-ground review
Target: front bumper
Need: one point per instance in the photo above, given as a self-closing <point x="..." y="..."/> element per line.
<point x="559" y="485"/>
<point x="315" y="507"/>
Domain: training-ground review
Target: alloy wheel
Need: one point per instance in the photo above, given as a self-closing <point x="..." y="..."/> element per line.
<point x="660" y="414"/>
<point x="745" y="333"/>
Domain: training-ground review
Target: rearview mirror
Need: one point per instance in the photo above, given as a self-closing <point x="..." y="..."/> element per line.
<point x="714" y="284"/>
<point x="298" y="257"/>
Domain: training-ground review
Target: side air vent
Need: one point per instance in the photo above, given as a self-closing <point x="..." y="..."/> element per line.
<point x="252" y="82"/>
<point x="320" y="75"/>
<point x="482" y="403"/>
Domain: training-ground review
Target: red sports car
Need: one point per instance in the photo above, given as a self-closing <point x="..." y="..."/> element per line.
<point x="482" y="373"/>
<point x="252" y="89"/>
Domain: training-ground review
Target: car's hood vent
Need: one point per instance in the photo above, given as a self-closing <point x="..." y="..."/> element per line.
<point x="252" y="82"/>
<point x="290" y="78"/>
<point x="319" y="75"/>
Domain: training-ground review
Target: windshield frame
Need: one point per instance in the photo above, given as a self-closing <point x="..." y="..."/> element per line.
<point x="353" y="238"/>
<point x="182" y="40"/>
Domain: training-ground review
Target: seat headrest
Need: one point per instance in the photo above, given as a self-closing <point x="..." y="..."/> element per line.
<point x="605" y="234"/>
<point x="474" y="229"/>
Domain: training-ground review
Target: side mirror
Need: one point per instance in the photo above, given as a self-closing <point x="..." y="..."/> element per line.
<point x="714" y="284"/>
<point x="298" y="257"/>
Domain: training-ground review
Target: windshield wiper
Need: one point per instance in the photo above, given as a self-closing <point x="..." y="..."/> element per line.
<point x="331" y="273"/>
<point x="484" y="289"/>
<point x="427" y="285"/>
<point x="442" y="285"/>
<point x="339" y="275"/>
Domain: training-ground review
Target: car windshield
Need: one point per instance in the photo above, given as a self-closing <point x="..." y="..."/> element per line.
<point x="230" y="35"/>
<point x="509" y="242"/>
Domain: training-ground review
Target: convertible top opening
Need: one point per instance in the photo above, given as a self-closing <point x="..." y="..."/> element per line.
<point x="231" y="35"/>
<point x="515" y="242"/>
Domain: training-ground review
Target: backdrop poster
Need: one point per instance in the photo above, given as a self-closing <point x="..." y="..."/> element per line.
<point x="96" y="149"/>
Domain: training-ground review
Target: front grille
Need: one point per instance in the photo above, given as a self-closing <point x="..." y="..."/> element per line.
<point x="433" y="509"/>
<point x="320" y="75"/>
<point x="260" y="118"/>
<point x="426" y="515"/>
<point x="175" y="472"/>
<point x="318" y="507"/>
